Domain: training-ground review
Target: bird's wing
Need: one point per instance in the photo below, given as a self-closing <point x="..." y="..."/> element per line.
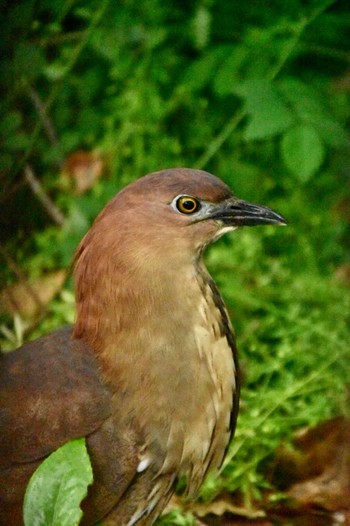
<point x="50" y="392"/>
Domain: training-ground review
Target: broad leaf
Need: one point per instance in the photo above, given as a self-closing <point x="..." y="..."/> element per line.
<point x="310" y="108"/>
<point x="58" y="486"/>
<point x="201" y="72"/>
<point x="267" y="112"/>
<point x="302" y="151"/>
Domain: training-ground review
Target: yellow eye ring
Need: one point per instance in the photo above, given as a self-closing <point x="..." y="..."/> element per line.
<point x="187" y="204"/>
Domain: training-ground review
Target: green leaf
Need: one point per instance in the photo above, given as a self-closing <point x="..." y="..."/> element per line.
<point x="55" y="71"/>
<point x="268" y="114"/>
<point x="310" y="108"/>
<point x="201" y="27"/>
<point x="229" y="70"/>
<point x="58" y="486"/>
<point x="201" y="72"/>
<point x="302" y="151"/>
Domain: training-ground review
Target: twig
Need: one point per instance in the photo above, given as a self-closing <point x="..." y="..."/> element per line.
<point x="37" y="189"/>
<point x="57" y="86"/>
<point x="219" y="140"/>
<point x="60" y="39"/>
<point x="47" y="123"/>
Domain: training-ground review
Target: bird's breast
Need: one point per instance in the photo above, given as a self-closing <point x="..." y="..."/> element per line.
<point x="200" y="388"/>
<point x="209" y="428"/>
<point x="175" y="378"/>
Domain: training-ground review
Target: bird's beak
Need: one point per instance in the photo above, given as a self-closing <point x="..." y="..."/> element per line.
<point x="235" y="212"/>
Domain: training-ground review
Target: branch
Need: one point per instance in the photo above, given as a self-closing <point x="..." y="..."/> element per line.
<point x="37" y="189"/>
<point x="46" y="121"/>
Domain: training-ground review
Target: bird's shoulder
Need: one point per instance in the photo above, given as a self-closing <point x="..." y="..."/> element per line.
<point x="50" y="392"/>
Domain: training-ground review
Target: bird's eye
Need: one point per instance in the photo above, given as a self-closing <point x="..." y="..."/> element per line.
<point x="187" y="205"/>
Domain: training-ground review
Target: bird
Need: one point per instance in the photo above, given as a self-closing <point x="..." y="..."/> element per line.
<point x="148" y="373"/>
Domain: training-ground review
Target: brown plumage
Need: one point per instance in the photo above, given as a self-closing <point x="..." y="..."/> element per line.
<point x="149" y="373"/>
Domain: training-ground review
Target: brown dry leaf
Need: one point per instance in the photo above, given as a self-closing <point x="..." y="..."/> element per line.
<point x="223" y="508"/>
<point x="342" y="83"/>
<point x="342" y="274"/>
<point x="317" y="473"/>
<point x="224" y="504"/>
<point x="81" y="170"/>
<point x="29" y="298"/>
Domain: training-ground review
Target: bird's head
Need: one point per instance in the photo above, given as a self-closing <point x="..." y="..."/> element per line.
<point x="146" y="240"/>
<point x="179" y="208"/>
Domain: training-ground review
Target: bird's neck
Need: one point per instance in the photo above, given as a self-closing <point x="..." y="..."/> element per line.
<point x="122" y="309"/>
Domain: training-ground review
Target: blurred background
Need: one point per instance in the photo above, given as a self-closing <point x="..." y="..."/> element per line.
<point x="96" y="94"/>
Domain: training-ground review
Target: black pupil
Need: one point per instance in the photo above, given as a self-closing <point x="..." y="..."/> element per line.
<point x="188" y="205"/>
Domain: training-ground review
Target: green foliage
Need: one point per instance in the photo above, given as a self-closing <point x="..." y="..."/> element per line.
<point x="58" y="486"/>
<point x="257" y="95"/>
<point x="294" y="353"/>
